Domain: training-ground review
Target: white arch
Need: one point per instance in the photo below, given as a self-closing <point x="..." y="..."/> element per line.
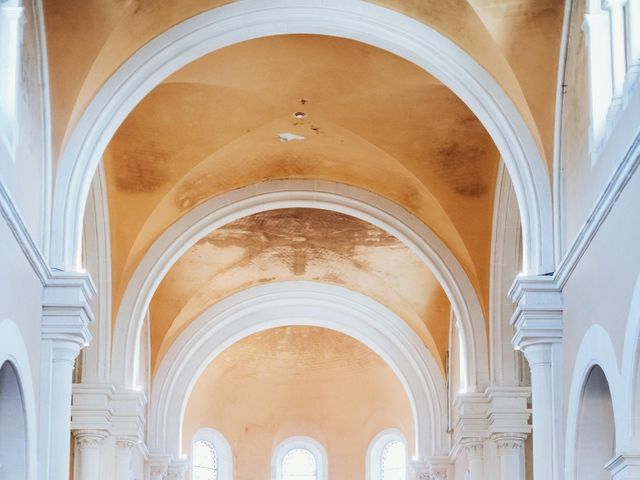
<point x="14" y="351"/>
<point x="354" y="19"/>
<point x="596" y="349"/>
<point x="271" y="195"/>
<point x="298" y="303"/>
<point x="310" y="444"/>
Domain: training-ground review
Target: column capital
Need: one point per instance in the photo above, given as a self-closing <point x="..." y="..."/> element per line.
<point x="538" y="313"/>
<point x="126" y="443"/>
<point x="509" y="441"/>
<point x="472" y="423"/>
<point x="474" y="446"/>
<point x="66" y="312"/>
<point x="508" y="412"/>
<point x="436" y="469"/>
<point x="91" y="406"/>
<point x="90" y="438"/>
<point x="128" y="413"/>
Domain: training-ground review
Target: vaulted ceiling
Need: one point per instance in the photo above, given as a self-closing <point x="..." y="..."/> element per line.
<point x="304" y="107"/>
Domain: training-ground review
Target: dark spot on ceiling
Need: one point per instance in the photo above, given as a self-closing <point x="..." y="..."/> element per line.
<point x="142" y="169"/>
<point x="461" y="165"/>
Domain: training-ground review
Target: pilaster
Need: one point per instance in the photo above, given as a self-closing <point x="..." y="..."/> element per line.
<point x="539" y="330"/>
<point x="64" y="331"/>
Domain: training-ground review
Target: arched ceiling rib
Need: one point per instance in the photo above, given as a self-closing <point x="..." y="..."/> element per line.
<point x="516" y="41"/>
<point x="300" y="244"/>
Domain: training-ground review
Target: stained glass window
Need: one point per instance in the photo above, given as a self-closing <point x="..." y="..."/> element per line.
<point x="393" y="461"/>
<point x="205" y="461"/>
<point x="299" y="464"/>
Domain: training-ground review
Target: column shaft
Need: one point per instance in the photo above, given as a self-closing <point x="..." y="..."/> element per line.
<point x="59" y="358"/>
<point x="124" y="448"/>
<point x="475" y="455"/>
<point x="539" y="357"/>
<point x="511" y="456"/>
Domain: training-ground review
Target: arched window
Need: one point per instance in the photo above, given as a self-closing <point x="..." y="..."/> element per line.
<point x="387" y="456"/>
<point x="299" y="464"/>
<point x="211" y="457"/>
<point x="11" y="20"/>
<point x="393" y="463"/>
<point x="299" y="458"/>
<point x="205" y="461"/>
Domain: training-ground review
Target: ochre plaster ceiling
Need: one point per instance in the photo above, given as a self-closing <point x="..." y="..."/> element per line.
<point x="517" y="41"/>
<point x="373" y="120"/>
<point x="298" y="381"/>
<point x="300" y="244"/>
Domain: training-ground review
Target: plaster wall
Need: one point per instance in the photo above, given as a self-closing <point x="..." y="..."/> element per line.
<point x="23" y="177"/>
<point x="20" y="297"/>
<point x="601" y="287"/>
<point x="583" y="178"/>
<point x="295" y="381"/>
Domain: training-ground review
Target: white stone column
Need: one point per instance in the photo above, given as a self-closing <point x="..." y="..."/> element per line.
<point x="475" y="455"/>
<point x="65" y="318"/>
<point x="87" y="452"/>
<point x="618" y="47"/>
<point x="124" y="448"/>
<point x="625" y="467"/>
<point x="511" y="456"/>
<point x="538" y="322"/>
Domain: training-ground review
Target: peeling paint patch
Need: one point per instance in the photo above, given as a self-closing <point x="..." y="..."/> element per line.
<point x="287" y="137"/>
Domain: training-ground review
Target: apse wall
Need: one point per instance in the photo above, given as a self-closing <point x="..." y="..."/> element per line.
<point x="298" y="381"/>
